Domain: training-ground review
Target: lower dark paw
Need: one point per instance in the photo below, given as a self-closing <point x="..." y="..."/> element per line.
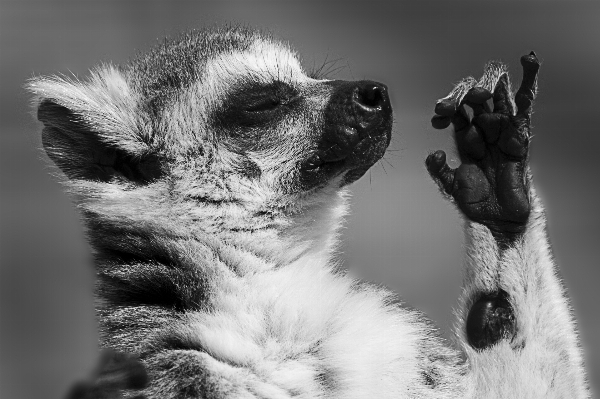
<point x="116" y="372"/>
<point x="490" y="186"/>
<point x="490" y="319"/>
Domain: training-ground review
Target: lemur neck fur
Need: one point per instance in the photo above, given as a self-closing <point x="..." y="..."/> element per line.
<point x="247" y="238"/>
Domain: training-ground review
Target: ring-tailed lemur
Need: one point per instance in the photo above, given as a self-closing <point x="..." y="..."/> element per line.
<point x="212" y="175"/>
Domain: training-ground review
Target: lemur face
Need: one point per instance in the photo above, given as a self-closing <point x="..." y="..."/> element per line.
<point x="278" y="129"/>
<point x="219" y="115"/>
<point x="292" y="130"/>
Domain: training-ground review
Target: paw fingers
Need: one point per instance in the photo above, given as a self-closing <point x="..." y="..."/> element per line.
<point x="502" y="97"/>
<point x="461" y="119"/>
<point x="440" y="171"/>
<point x="478" y="95"/>
<point x="491" y="126"/>
<point x="477" y="98"/>
<point x="526" y="94"/>
<point x="450" y="109"/>
<point x="470" y="143"/>
<point x="492" y="73"/>
<point x="440" y="122"/>
<point x="448" y="105"/>
<point x="495" y="79"/>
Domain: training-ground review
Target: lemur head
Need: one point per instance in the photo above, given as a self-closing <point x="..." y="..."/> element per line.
<point x="219" y="115"/>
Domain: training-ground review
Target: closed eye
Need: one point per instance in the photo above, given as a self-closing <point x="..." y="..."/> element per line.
<point x="264" y="105"/>
<point x="257" y="105"/>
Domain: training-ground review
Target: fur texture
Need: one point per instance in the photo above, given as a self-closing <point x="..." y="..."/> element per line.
<point x="212" y="201"/>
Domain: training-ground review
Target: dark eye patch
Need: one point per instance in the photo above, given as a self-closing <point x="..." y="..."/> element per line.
<point x="255" y="105"/>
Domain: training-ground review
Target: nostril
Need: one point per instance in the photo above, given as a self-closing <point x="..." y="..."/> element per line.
<point x="370" y="95"/>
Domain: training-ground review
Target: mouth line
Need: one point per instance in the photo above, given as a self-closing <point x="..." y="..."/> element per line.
<point x="320" y="160"/>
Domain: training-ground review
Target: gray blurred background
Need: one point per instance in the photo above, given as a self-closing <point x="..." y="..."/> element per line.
<point x="401" y="233"/>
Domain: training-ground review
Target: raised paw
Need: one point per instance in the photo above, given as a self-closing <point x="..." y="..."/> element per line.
<point x="116" y="372"/>
<point x="490" y="186"/>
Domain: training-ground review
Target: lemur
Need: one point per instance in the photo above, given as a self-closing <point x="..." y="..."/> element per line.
<point x="212" y="174"/>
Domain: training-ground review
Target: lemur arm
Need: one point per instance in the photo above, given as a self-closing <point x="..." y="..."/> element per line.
<point x="514" y="321"/>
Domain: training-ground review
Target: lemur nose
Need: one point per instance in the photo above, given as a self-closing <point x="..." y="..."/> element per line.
<point x="358" y="106"/>
<point x="371" y="95"/>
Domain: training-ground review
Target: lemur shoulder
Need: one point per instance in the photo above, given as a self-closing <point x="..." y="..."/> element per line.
<point x="212" y="174"/>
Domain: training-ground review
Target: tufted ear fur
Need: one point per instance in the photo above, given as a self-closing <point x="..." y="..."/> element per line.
<point x="95" y="130"/>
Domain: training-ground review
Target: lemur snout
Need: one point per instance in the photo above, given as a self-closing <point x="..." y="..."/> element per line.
<point x="356" y="111"/>
<point x="363" y="105"/>
<point x="357" y="130"/>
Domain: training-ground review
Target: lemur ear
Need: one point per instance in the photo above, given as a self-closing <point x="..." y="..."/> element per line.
<point x="94" y="130"/>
